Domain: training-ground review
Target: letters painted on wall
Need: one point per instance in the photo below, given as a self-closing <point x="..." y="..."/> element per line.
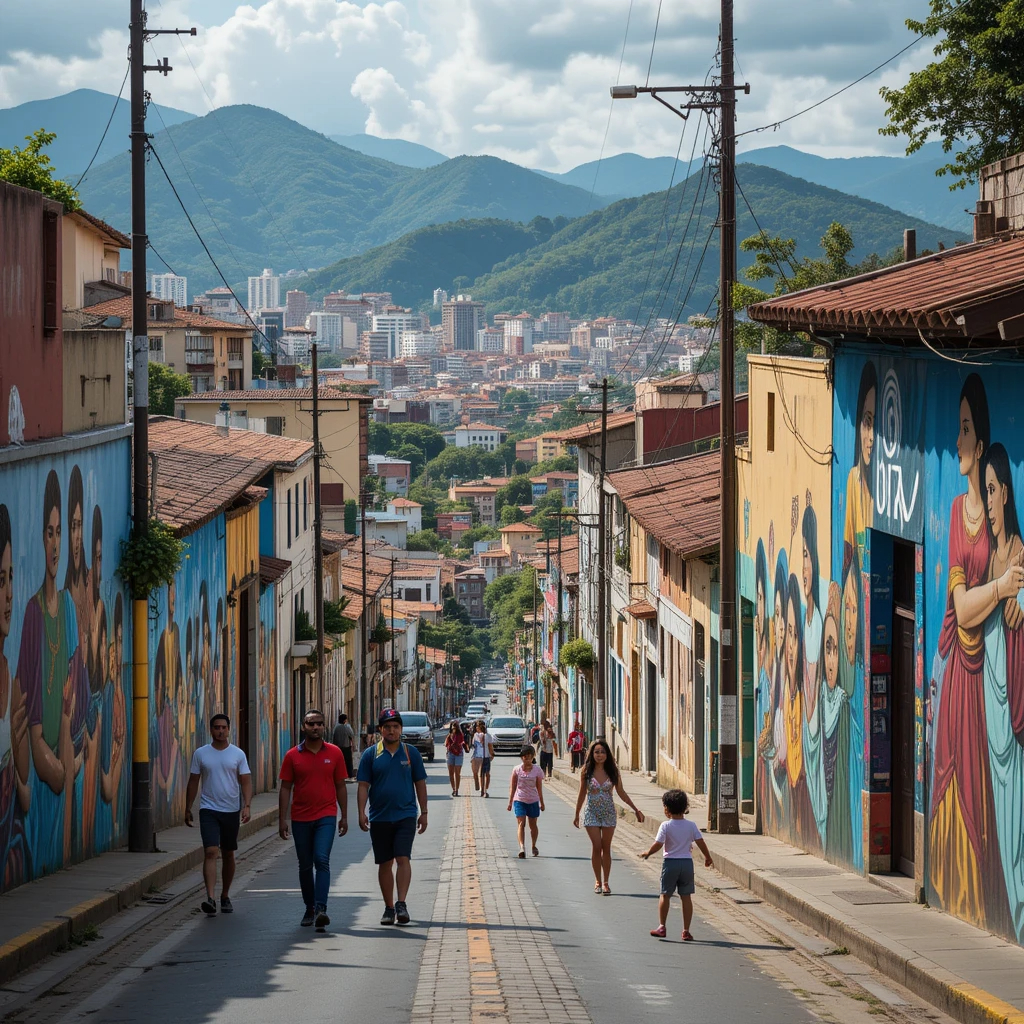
<point x="65" y="745"/>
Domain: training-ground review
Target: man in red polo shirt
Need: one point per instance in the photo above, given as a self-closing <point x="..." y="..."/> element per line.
<point x="313" y="780"/>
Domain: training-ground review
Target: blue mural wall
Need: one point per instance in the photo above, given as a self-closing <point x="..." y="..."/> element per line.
<point x="188" y="681"/>
<point x="268" y="696"/>
<point x="65" y="630"/>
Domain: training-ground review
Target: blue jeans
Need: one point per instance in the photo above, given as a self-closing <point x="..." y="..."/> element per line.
<point x="313" y="842"/>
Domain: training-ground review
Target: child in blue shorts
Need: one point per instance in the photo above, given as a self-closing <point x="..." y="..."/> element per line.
<point x="526" y="797"/>
<point x="677" y="835"/>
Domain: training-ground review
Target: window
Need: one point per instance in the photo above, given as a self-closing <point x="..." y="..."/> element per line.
<point x="51" y="257"/>
<point x="305" y="505"/>
<point x="296" y="510"/>
<point x="156" y="346"/>
<point x="770" y="431"/>
<point x="289" y="517"/>
<point x="275" y="425"/>
<point x="428" y="591"/>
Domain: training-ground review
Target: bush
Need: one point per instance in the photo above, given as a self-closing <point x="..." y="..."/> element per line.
<point x="577" y="654"/>
<point x="149" y="560"/>
<point x="303" y="627"/>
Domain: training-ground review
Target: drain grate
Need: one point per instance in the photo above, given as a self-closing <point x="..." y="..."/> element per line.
<point x="865" y="897"/>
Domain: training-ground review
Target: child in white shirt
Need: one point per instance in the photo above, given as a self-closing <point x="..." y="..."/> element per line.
<point x="677" y="835"/>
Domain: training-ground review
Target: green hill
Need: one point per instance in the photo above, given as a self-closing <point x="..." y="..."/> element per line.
<point x="446" y="256"/>
<point x="266" y="192"/>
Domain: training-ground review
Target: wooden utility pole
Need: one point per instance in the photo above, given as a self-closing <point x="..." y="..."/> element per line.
<point x="602" y="576"/>
<point x="141" y="834"/>
<point x="318" y="537"/>
<point x="364" y="696"/>
<point x="391" y="627"/>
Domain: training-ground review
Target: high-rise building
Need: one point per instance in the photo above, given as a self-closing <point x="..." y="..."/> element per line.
<point x="440" y="296"/>
<point x="417" y="343"/>
<point x="554" y="326"/>
<point x="490" y="339"/>
<point x="519" y="334"/>
<point x="264" y="292"/>
<point x="296" y="308"/>
<point x="394" y="322"/>
<point x="461" y="318"/>
<point x="354" y="307"/>
<point x="374" y="346"/>
<point x="328" y="327"/>
<point x="170" y="287"/>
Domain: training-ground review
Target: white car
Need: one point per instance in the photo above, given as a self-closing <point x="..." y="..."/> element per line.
<point x="510" y="734"/>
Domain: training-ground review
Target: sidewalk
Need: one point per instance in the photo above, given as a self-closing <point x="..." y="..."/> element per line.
<point x="40" y="917"/>
<point x="972" y="975"/>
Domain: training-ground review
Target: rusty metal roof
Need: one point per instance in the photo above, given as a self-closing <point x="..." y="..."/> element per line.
<point x="677" y="502"/>
<point x="642" y="610"/>
<point x="959" y="293"/>
<point x="272" y="569"/>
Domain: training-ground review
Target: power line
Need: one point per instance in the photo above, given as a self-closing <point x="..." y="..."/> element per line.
<point x="110" y="119"/>
<point x="206" y="249"/>
<point x="650" y="63"/>
<point x="159" y="257"/>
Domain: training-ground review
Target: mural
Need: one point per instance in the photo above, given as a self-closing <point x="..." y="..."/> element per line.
<point x="64" y="724"/>
<point x="186" y="676"/>
<point x="974" y="561"/>
<point x="267" y="703"/>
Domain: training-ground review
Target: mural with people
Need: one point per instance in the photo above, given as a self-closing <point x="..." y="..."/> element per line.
<point x="65" y="746"/>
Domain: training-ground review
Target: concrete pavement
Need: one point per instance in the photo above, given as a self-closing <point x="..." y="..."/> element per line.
<point x="975" y="977"/>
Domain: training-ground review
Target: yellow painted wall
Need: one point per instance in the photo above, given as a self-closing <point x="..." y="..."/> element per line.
<point x="94" y="379"/>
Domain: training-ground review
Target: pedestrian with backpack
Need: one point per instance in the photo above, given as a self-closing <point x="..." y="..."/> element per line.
<point x="576" y="743"/>
<point x="392" y="780"/>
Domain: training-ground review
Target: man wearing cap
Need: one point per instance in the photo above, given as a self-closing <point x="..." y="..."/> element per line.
<point x="393" y="780"/>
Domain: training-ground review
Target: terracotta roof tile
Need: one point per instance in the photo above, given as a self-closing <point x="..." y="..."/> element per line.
<point x="520" y="528"/>
<point x="283" y="452"/>
<point x="122" y="307"/>
<point x="593" y="428"/>
<point x="273" y="569"/>
<point x="327" y="393"/>
<point x="677" y="502"/>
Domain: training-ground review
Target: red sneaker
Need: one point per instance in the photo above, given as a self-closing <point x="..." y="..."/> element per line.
<point x="687" y="937"/>
<point x="659" y="932"/>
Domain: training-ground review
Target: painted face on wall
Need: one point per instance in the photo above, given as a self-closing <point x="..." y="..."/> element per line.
<point x="759" y="611"/>
<point x="867" y="428"/>
<point x="170" y="599"/>
<point x="51" y="543"/>
<point x="97" y="560"/>
<point x="792" y="644"/>
<point x="968" y="447"/>
<point x="995" y="502"/>
<point x="76" y="537"/>
<point x="807" y="574"/>
<point x="779" y="625"/>
<point x="831" y="646"/>
<point x="850" y="618"/>
<point x="6" y="591"/>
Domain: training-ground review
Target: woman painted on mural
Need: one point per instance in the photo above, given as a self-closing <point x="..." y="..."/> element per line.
<point x="965" y="868"/>
<point x="780" y="788"/>
<point x="118" y="718"/>
<point x="851" y="679"/>
<point x="218" y="658"/>
<point x="76" y="576"/>
<point x="860" y="508"/>
<point x="814" y="771"/>
<point x="164" y="750"/>
<point x="14" y="759"/>
<point x="205" y="673"/>
<point x="96" y="661"/>
<point x="1004" y="681"/>
<point x="801" y="818"/>
<point x="835" y="726"/>
<point x="53" y="678"/>
<point x="762" y="638"/>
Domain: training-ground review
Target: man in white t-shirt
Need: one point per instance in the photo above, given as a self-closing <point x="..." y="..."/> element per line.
<point x="227" y="796"/>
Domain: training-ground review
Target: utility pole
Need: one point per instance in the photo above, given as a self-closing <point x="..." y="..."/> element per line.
<point x="141" y="835"/>
<point x="602" y="597"/>
<point x="391" y="627"/>
<point x="721" y="98"/>
<point x="538" y="698"/>
<point x="318" y="554"/>
<point x="728" y="740"/>
<point x="364" y="697"/>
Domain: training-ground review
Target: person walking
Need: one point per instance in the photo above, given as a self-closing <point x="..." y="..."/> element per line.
<point x="392" y="780"/>
<point x="222" y="770"/>
<point x="483" y="751"/>
<point x="576" y="743"/>
<point x="548" y="748"/>
<point x="598" y="781"/>
<point x="526" y="798"/>
<point x="455" y="751"/>
<point x="343" y="737"/>
<point x="677" y="835"/>
<point x="313" y="780"/>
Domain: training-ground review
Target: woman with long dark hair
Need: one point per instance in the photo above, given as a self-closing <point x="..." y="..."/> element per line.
<point x="860" y="504"/>
<point x="965" y="869"/>
<point x="455" y="755"/>
<point x="598" y="781"/>
<point x="1004" y="681"/>
<point x="811" y="669"/>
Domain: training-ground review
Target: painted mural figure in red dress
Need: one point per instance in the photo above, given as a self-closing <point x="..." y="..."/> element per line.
<point x="965" y="862"/>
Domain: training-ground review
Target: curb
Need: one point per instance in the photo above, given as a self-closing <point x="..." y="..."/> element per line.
<point x="952" y="995"/>
<point x="29" y="948"/>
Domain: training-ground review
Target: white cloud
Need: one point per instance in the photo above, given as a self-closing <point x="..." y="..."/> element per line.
<point x="523" y="79"/>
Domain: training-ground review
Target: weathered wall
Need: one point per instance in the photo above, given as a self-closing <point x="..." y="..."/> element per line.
<point x="94" y="379"/>
<point x="65" y="634"/>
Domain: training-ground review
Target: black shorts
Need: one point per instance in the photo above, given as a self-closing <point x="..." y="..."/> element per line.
<point x="219" y="828"/>
<point x="391" y="839"/>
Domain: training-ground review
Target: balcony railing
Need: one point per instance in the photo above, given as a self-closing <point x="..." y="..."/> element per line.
<point x="199" y="357"/>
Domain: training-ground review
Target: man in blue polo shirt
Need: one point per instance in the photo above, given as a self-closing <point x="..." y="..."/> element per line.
<point x="392" y="778"/>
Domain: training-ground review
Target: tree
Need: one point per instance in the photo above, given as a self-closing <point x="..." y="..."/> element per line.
<point x="164" y="387"/>
<point x="511" y="514"/>
<point x="412" y="454"/>
<point x="518" y="491"/>
<point x="260" y="362"/>
<point x="973" y="95"/>
<point x="30" y="167"/>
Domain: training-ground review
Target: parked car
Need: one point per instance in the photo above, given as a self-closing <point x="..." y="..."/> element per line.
<point x="477" y="711"/>
<point x="418" y="732"/>
<point x="494" y="698"/>
<point x="509" y="732"/>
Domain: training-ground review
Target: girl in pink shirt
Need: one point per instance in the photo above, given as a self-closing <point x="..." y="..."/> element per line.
<point x="526" y="797"/>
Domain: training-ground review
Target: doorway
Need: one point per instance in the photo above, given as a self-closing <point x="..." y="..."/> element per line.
<point x="651" y="721"/>
<point x="244" y="615"/>
<point x="699" y="670"/>
<point x="902" y="708"/>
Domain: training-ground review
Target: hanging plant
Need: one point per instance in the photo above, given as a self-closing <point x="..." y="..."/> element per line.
<point x="149" y="560"/>
<point x="303" y="628"/>
<point x="577" y="654"/>
<point x="381" y="634"/>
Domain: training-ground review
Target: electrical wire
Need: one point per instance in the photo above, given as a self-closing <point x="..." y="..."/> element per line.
<point x="150" y="245"/>
<point x="650" y="63"/>
<point x="206" y="249"/>
<point x="110" y="119"/>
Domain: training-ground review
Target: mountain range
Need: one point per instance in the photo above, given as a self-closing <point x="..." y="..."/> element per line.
<point x="654" y="255"/>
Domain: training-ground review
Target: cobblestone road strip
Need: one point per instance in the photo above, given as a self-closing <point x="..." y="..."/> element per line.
<point x="487" y="958"/>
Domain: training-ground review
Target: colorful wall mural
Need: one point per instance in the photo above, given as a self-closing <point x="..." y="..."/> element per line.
<point x="268" y="698"/>
<point x="65" y="746"/>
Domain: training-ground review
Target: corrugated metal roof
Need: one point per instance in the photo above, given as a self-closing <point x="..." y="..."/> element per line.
<point x="957" y="293"/>
<point x="677" y="502"/>
<point x="593" y="429"/>
<point x="272" y="569"/>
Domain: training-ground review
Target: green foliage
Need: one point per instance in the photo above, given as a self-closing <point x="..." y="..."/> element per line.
<point x="541" y="517"/>
<point x="566" y="416"/>
<point x="506" y="600"/>
<point x="518" y="491"/>
<point x="380" y="634"/>
<point x="972" y="96"/>
<point x="559" y="464"/>
<point x="577" y="654"/>
<point x="164" y="387"/>
<point x="260" y="362"/>
<point x="149" y="560"/>
<point x="466" y="641"/>
<point x="304" y="628"/>
<point x="351" y="515"/>
<point x="426" y="540"/>
<point x="484" y="532"/>
<point x="30" y="167"/>
<point x="511" y="514"/>
<point x="335" y="622"/>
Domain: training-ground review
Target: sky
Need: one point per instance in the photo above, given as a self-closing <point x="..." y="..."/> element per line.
<point x="526" y="80"/>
